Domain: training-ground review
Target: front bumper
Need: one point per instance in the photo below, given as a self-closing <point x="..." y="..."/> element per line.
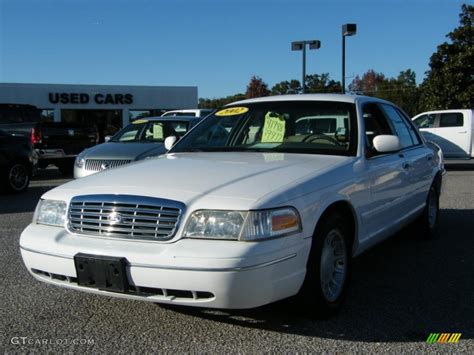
<point x="205" y="273"/>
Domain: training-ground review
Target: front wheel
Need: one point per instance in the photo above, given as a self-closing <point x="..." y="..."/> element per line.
<point x="328" y="268"/>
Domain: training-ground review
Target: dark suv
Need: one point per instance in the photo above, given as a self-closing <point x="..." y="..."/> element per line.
<point x="56" y="143"/>
<point x="17" y="162"/>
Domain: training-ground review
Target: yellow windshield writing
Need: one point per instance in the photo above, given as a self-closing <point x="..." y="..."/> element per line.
<point x="232" y="111"/>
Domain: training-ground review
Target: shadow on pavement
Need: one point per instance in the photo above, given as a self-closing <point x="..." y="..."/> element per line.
<point x="23" y="202"/>
<point x="402" y="290"/>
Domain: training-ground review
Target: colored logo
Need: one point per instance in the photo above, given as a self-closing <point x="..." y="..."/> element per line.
<point x="443" y="338"/>
<point x="104" y="165"/>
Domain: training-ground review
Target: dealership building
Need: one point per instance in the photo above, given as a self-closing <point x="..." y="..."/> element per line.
<point x="108" y="106"/>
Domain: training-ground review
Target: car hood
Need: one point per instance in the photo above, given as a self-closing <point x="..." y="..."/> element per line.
<point x="210" y="180"/>
<point x="115" y="150"/>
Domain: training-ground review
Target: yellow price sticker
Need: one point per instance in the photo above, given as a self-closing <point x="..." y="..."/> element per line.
<point x="139" y="121"/>
<point x="273" y="128"/>
<point x="232" y="111"/>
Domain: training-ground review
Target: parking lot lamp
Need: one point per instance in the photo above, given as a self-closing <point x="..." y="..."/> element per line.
<point x="349" y="29"/>
<point x="301" y="46"/>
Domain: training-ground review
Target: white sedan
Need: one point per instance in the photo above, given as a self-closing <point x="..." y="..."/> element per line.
<point x="252" y="206"/>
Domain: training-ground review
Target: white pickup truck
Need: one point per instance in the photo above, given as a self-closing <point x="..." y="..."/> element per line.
<point x="253" y="205"/>
<point x="452" y="130"/>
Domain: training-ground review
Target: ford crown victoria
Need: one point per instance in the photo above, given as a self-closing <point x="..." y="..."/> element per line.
<point x="265" y="199"/>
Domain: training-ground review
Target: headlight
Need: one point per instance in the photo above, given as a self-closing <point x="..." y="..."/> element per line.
<point x="51" y="212"/>
<point x="242" y="225"/>
<point x="80" y="161"/>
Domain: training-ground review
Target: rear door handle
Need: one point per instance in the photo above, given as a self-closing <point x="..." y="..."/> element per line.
<point x="462" y="132"/>
<point x="405" y="165"/>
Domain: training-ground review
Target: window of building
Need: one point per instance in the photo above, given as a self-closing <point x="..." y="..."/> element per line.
<point x="47" y="115"/>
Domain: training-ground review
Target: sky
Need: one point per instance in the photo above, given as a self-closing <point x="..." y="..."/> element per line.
<point x="216" y="45"/>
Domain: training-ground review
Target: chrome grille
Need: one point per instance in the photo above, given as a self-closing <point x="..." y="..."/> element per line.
<point x="125" y="216"/>
<point x="102" y="164"/>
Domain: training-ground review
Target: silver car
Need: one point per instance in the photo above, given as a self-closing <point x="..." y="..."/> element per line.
<point x="141" y="139"/>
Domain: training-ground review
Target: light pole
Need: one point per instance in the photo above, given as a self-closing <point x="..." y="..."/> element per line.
<point x="349" y="29"/>
<point x="301" y="46"/>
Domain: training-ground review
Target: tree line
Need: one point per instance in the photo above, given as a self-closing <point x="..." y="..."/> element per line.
<point x="448" y="84"/>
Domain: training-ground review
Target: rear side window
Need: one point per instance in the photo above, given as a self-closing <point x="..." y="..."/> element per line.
<point x="18" y="114"/>
<point x="454" y="119"/>
<point x="425" y="121"/>
<point x="400" y="126"/>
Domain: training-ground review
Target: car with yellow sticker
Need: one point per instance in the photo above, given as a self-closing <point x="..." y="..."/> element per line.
<point x="141" y="139"/>
<point x="265" y="199"/>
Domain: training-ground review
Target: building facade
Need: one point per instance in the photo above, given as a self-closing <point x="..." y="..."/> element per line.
<point x="109" y="107"/>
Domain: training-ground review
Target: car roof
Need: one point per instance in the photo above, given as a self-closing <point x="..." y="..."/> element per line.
<point x="311" y="97"/>
<point x="167" y="119"/>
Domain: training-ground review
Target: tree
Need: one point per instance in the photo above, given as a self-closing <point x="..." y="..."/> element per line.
<point x="219" y="102"/>
<point x="401" y="90"/>
<point x="369" y="84"/>
<point x="256" y="88"/>
<point x="450" y="81"/>
<point x="322" y="84"/>
<point x="286" y="87"/>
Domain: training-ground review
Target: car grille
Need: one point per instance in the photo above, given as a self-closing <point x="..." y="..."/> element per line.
<point x="102" y="164"/>
<point x="125" y="216"/>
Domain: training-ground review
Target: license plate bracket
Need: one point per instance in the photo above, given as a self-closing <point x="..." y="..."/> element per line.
<point x="102" y="272"/>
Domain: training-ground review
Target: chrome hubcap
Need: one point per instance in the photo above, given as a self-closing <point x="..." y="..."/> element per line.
<point x="333" y="265"/>
<point x="432" y="208"/>
<point x="18" y="177"/>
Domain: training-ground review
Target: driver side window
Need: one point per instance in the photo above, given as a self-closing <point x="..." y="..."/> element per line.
<point x="375" y="123"/>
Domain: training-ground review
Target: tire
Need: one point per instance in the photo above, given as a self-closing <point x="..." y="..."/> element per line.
<point x="427" y="223"/>
<point x="328" y="269"/>
<point x="17" y="177"/>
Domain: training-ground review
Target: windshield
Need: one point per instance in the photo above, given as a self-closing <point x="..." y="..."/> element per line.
<point x="143" y="131"/>
<point x="312" y="127"/>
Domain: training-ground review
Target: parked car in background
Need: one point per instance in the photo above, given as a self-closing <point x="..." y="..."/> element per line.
<point x="17" y="162"/>
<point x="141" y="139"/>
<point x="202" y="112"/>
<point x="452" y="130"/>
<point x="56" y="143"/>
<point x="244" y="210"/>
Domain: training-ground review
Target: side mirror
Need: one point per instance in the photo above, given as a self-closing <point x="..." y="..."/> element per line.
<point x="170" y="141"/>
<point x="107" y="138"/>
<point x="385" y="143"/>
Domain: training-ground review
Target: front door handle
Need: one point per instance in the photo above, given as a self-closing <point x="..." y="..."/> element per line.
<point x="462" y="132"/>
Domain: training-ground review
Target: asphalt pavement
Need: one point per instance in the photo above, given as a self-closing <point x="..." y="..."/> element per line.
<point x="402" y="290"/>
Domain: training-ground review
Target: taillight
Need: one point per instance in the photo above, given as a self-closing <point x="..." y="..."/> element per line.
<point x="36" y="136"/>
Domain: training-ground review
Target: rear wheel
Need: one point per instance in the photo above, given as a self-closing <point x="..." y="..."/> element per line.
<point x="17" y="177"/>
<point x="427" y="223"/>
<point x="328" y="268"/>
